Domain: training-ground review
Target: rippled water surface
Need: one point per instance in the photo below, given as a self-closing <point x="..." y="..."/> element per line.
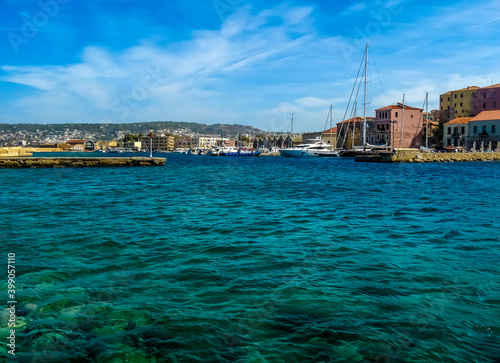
<point x="255" y="260"/>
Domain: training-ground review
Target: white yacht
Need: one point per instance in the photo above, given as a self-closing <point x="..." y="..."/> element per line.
<point x="312" y="148"/>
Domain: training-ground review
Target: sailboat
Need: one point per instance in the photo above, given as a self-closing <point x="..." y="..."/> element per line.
<point x="310" y="148"/>
<point x="331" y="151"/>
<point x="364" y="148"/>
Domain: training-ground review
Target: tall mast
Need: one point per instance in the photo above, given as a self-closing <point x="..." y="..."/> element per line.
<point x="427" y="120"/>
<point x="402" y="120"/>
<point x="331" y="129"/>
<point x="366" y="86"/>
<point x="354" y="123"/>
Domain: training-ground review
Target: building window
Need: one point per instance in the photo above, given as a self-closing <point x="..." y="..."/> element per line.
<point x="484" y="105"/>
<point x="454" y="105"/>
<point x="441" y="99"/>
<point x="449" y="130"/>
<point x="462" y="130"/>
<point x="461" y="104"/>
<point x="494" y="105"/>
<point x="494" y="95"/>
<point x="396" y="114"/>
<point x="455" y="96"/>
<point x="484" y="96"/>
<point x="448" y="99"/>
<point x="493" y="129"/>
<point x="461" y="95"/>
<point x="475" y="130"/>
<point x="484" y="129"/>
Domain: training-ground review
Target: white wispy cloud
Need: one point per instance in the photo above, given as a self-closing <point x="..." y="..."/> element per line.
<point x="150" y="81"/>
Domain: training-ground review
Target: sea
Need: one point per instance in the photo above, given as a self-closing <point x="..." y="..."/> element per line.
<point x="258" y="259"/>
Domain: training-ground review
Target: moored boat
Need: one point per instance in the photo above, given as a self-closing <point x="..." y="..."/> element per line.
<point x="309" y="149"/>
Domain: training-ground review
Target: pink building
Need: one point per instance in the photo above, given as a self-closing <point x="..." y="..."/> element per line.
<point x="396" y="127"/>
<point x="485" y="99"/>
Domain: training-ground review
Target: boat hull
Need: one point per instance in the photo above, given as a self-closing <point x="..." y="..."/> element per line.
<point x="236" y="154"/>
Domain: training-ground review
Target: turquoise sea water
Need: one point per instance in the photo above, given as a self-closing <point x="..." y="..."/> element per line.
<point x="268" y="259"/>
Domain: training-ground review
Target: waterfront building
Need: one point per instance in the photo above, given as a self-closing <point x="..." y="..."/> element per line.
<point x="89" y="145"/>
<point x="308" y="136"/>
<point x="485" y="127"/>
<point x="432" y="129"/>
<point x="399" y="126"/>
<point x="349" y="132"/>
<point x="456" y="132"/>
<point x="486" y="99"/>
<point x="159" y="142"/>
<point x="76" y="145"/>
<point x="133" y="145"/>
<point x="183" y="143"/>
<point x="456" y="103"/>
<point x="330" y="136"/>
<point x="101" y="145"/>
<point x="112" y="144"/>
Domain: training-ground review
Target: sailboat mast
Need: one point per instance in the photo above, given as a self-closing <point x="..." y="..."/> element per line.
<point x="427" y="120"/>
<point x="354" y="123"/>
<point x="402" y="120"/>
<point x="331" y="129"/>
<point x="366" y="86"/>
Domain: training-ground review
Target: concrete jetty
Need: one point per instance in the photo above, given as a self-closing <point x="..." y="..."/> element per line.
<point x="75" y="162"/>
<point x="416" y="156"/>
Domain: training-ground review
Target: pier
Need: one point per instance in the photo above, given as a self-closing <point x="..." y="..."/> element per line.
<point x="76" y="162"/>
<point x="416" y="156"/>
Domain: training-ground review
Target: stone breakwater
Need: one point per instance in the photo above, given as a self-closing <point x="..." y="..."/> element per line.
<point x="72" y="162"/>
<point x="416" y="156"/>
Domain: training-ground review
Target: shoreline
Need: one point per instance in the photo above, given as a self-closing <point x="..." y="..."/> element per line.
<point x="410" y="156"/>
<point x="26" y="162"/>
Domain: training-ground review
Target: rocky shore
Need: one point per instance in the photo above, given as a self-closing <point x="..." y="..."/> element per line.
<point x="72" y="162"/>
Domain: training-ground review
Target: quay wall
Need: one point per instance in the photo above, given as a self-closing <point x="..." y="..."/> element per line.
<point x="72" y="162"/>
<point x="407" y="156"/>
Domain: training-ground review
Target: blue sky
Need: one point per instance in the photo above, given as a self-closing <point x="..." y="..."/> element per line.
<point x="235" y="61"/>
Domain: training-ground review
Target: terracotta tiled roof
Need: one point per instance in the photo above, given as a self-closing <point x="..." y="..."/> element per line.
<point x="332" y="130"/>
<point x="355" y="119"/>
<point x="487" y="115"/>
<point x="459" y="120"/>
<point x="470" y="88"/>
<point x="492" y="86"/>
<point x="398" y="106"/>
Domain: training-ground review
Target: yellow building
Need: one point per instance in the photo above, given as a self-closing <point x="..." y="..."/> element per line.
<point x="456" y="103"/>
<point x="101" y="145"/>
<point x="159" y="142"/>
<point x="330" y="136"/>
